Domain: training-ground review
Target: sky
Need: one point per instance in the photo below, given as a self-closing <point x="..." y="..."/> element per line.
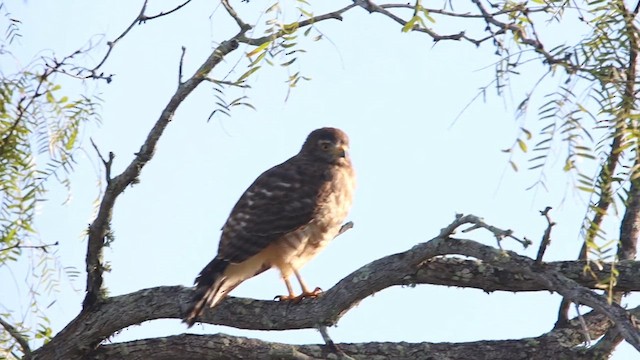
<point x="419" y="158"/>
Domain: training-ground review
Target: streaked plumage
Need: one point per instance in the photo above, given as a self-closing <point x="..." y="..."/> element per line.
<point x="288" y="215"/>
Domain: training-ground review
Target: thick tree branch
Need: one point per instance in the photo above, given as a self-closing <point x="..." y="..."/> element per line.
<point x="552" y="345"/>
<point x="498" y="270"/>
<point x="630" y="226"/>
<point x="196" y="347"/>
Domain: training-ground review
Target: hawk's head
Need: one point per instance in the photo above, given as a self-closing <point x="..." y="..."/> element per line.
<point x="328" y="145"/>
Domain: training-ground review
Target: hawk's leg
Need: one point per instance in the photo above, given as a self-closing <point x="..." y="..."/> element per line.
<point x="305" y="290"/>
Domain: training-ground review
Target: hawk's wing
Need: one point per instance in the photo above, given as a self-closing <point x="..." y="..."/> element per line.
<point x="280" y="200"/>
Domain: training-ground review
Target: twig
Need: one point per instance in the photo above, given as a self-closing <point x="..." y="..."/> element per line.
<point x="461" y="15"/>
<point x="184" y="50"/>
<point x="107" y="163"/>
<point x="372" y="7"/>
<point x="165" y="13"/>
<point x="112" y="44"/>
<point x="20" y="246"/>
<point x="24" y="344"/>
<point x="140" y="19"/>
<point x="546" y="237"/>
<point x="478" y="223"/>
<point x="244" y="27"/>
<point x="228" y="83"/>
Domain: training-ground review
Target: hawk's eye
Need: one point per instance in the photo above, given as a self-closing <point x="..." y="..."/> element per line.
<point x="324" y="145"/>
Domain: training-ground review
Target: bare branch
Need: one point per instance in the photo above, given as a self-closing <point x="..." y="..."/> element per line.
<point x="164" y="13"/>
<point x="43" y="247"/>
<point x="184" y="50"/>
<point x="112" y="44"/>
<point x="546" y="237"/>
<point x="99" y="228"/>
<point x="141" y="18"/>
<point x="228" y="83"/>
<point x="107" y="163"/>
<point x="244" y="27"/>
<point x="478" y="223"/>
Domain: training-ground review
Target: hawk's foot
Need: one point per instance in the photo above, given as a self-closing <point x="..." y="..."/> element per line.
<point x="296" y="299"/>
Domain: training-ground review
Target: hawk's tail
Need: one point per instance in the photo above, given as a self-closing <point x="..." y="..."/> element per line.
<point x="208" y="286"/>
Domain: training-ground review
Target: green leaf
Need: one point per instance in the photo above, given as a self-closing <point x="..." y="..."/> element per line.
<point x="409" y="25"/>
<point x="288" y="62"/>
<point x="248" y="73"/>
<point x="72" y="139"/>
<point x="522" y="145"/>
<point x="260" y="48"/>
<point x="513" y="166"/>
<point x="258" y="59"/>
<point x="50" y="98"/>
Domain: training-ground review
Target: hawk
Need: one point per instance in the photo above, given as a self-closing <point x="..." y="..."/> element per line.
<point x="284" y="219"/>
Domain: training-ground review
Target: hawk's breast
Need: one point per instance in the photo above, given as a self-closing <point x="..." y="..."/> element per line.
<point x="335" y="198"/>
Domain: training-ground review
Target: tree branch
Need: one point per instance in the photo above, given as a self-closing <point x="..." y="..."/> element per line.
<point x="141" y="18"/>
<point x="195" y="347"/>
<point x="546" y="237"/>
<point x="42" y="247"/>
<point x="498" y="270"/>
<point x="99" y="228"/>
<point x="145" y="18"/>
<point x="630" y="226"/>
<point x="552" y="345"/>
<point x="24" y="344"/>
<point x="336" y="15"/>
<point x="244" y="27"/>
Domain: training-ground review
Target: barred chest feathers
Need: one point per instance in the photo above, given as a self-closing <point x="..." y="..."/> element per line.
<point x="337" y="196"/>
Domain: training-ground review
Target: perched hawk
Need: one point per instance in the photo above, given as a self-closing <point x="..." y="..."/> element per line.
<point x="283" y="219"/>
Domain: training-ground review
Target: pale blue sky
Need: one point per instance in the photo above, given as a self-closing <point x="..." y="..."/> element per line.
<point x="395" y="94"/>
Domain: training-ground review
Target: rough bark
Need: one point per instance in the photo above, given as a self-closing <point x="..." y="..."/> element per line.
<point x="220" y="346"/>
<point x="498" y="270"/>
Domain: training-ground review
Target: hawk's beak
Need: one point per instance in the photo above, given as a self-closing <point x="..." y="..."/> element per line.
<point x="341" y="151"/>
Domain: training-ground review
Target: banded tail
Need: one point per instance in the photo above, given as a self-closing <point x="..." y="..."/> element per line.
<point x="208" y="286"/>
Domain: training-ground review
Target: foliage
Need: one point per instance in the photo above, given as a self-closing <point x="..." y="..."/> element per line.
<point x="40" y="128"/>
<point x="592" y="117"/>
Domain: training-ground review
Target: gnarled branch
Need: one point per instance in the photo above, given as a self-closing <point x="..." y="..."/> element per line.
<point x="497" y="270"/>
<point x="99" y="228"/>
